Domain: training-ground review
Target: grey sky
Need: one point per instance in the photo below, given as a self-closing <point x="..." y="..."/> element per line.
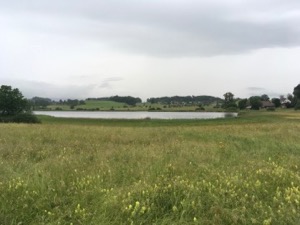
<point x="79" y="49"/>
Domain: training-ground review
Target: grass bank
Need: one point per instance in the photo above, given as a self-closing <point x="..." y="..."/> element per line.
<point x="87" y="171"/>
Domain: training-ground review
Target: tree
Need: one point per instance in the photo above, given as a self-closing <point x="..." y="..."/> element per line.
<point x="255" y="102"/>
<point x="40" y="102"/>
<point x="12" y="102"/>
<point x="276" y="102"/>
<point x="297" y="96"/>
<point x="290" y="97"/>
<point x="265" y="97"/>
<point x="228" y="97"/>
<point x="297" y="91"/>
<point x="229" y="101"/>
<point x="242" y="103"/>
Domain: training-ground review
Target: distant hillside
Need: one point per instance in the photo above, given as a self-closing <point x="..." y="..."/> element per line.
<point x="186" y="100"/>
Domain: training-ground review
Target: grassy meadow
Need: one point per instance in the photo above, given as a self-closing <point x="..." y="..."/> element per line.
<point x="93" y="105"/>
<point x="242" y="170"/>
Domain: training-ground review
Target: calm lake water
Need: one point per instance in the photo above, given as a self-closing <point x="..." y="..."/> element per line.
<point x="137" y="115"/>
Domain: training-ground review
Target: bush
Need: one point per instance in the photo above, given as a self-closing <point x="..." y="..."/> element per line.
<point x="20" y="118"/>
<point x="25" y="118"/>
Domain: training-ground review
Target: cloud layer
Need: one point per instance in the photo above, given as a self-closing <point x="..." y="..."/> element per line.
<point x="149" y="48"/>
<point x="166" y="28"/>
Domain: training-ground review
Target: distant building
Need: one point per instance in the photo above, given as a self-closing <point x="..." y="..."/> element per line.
<point x="285" y="103"/>
<point x="267" y="105"/>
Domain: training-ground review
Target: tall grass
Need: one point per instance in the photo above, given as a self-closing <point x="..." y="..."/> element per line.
<point x="236" y="171"/>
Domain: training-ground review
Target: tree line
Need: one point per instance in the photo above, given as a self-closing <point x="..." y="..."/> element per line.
<point x="257" y="102"/>
<point x="185" y="100"/>
<point x="15" y="108"/>
<point x="122" y="99"/>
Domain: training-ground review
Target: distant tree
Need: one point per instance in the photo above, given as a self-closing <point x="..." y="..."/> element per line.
<point x="228" y="96"/>
<point x="297" y="96"/>
<point x="185" y="100"/>
<point x="265" y="97"/>
<point x="125" y="99"/>
<point x="229" y="101"/>
<point x="12" y="102"/>
<point x="242" y="104"/>
<point x="40" y="102"/>
<point x="255" y="102"/>
<point x="72" y="103"/>
<point x="297" y="91"/>
<point x="276" y="102"/>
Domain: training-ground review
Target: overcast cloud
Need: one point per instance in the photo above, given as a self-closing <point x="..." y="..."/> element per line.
<point x="80" y="49"/>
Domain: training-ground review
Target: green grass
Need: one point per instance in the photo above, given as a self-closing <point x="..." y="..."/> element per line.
<point x="108" y="105"/>
<point x="92" y="105"/>
<point x="89" y="171"/>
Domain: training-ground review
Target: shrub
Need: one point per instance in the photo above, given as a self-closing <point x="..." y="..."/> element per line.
<point x="20" y="118"/>
<point x="25" y="118"/>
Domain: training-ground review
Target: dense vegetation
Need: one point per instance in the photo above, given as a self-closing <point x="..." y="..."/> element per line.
<point x="186" y="100"/>
<point x="122" y="99"/>
<point x="225" y="171"/>
<point x="14" y="107"/>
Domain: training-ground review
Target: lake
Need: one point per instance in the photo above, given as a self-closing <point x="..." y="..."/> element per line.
<point x="137" y="115"/>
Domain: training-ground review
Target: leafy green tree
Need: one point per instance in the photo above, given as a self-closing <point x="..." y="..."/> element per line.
<point x="229" y="101"/>
<point x="39" y="102"/>
<point x="228" y="96"/>
<point x="255" y="102"/>
<point x="276" y="102"/>
<point x="297" y="96"/>
<point x="242" y="104"/>
<point x="297" y="91"/>
<point x="264" y="97"/>
<point x="12" y="102"/>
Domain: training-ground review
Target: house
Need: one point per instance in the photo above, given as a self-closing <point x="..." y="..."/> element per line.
<point x="286" y="103"/>
<point x="267" y="105"/>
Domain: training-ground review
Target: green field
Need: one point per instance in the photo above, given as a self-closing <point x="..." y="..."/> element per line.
<point x="242" y="170"/>
<point x="92" y="105"/>
<point x="111" y="105"/>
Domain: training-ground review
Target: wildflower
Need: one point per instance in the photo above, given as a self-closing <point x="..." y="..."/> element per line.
<point x="137" y="204"/>
<point x="143" y="209"/>
<point x="257" y="183"/>
<point x="174" y="209"/>
<point x="267" y="221"/>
